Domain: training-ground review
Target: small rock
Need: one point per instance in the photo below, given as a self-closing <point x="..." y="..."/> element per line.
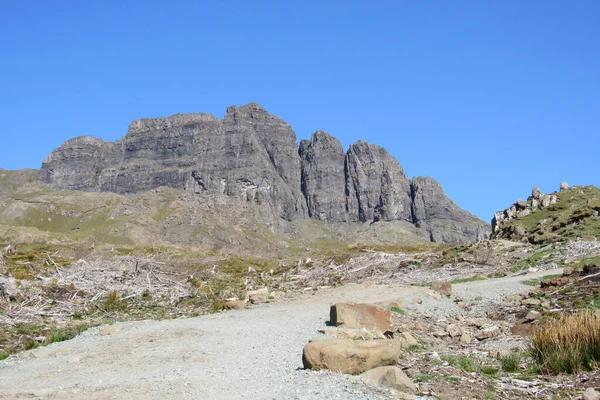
<point x="533" y="315"/>
<point x="478" y="323"/>
<point x="513" y="299"/>
<point x="402" y="396"/>
<point x="433" y="356"/>
<point x="591" y="394"/>
<point x="109" y="330"/>
<point x="494" y="354"/>
<point x="531" y="302"/>
<point x="419" y="327"/>
<point x="392" y="377"/>
<point x="258" y="296"/>
<point x="234" y="305"/>
<point x="443" y="288"/>
<point x="410" y="339"/>
<point x="434" y="295"/>
<point x="536" y="192"/>
<point x="545" y="304"/>
<point x="488" y="333"/>
<point x="454" y="330"/>
<point x="417" y="300"/>
<point x="276" y="295"/>
<point x="465" y="338"/>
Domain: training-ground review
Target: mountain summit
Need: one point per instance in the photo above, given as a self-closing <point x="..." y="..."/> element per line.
<point x="253" y="156"/>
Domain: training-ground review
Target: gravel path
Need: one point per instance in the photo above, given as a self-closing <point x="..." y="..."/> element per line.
<point x="246" y="354"/>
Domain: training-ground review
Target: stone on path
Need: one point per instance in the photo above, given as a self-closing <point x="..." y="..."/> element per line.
<point x="362" y="315"/>
<point x="392" y="377"/>
<point x="443" y="288"/>
<point x="350" y="356"/>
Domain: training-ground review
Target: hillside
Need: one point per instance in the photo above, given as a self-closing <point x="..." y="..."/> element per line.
<point x="570" y="213"/>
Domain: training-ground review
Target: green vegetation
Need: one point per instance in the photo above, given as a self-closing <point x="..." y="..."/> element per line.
<point x="542" y="256"/>
<point x="586" y="264"/>
<point x="397" y="310"/>
<point x="489" y="370"/>
<point x="511" y="362"/>
<point x="538" y="281"/>
<point x="27" y="336"/>
<point x="465" y="363"/>
<point x="573" y="215"/>
<point x="429" y="377"/>
<point x="570" y="343"/>
<point x="471" y="279"/>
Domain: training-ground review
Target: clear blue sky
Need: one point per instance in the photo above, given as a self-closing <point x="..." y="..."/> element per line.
<point x="488" y="97"/>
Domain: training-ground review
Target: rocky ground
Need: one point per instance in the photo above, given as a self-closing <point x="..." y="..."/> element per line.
<point x="467" y="339"/>
<point x="255" y="353"/>
<point x="471" y="344"/>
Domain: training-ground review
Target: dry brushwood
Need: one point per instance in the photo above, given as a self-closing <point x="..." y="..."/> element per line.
<point x="85" y="285"/>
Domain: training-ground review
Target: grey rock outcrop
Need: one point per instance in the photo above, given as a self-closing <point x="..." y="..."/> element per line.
<point x="520" y="209"/>
<point x="441" y="217"/>
<point x="377" y="187"/>
<point x="323" y="177"/>
<point x="254" y="156"/>
<point x="83" y="163"/>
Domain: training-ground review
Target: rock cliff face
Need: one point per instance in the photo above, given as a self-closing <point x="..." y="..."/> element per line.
<point x="253" y="155"/>
<point x="433" y="211"/>
<point x="377" y="187"/>
<point x="324" y="177"/>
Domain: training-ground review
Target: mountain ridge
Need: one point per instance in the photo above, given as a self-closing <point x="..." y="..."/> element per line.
<point x="254" y="156"/>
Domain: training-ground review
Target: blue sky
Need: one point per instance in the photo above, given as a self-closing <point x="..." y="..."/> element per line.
<point x="488" y="97"/>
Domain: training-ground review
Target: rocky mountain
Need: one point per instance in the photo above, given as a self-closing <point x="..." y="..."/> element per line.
<point x="253" y="156"/>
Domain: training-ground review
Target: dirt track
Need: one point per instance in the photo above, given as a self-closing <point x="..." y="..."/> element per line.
<point x="253" y="353"/>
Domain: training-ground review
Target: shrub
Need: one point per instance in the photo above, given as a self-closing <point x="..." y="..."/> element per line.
<point x="511" y="361"/>
<point x="567" y="344"/>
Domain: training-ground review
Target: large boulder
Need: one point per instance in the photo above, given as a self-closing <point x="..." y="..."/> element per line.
<point x="392" y="377"/>
<point x="350" y="356"/>
<point x="362" y="315"/>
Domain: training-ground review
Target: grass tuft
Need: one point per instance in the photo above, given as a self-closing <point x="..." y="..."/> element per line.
<point x="568" y="344"/>
<point x="511" y="362"/>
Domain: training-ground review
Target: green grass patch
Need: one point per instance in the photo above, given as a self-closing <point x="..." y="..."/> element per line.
<point x="469" y="364"/>
<point x="471" y="279"/>
<point x="489" y="370"/>
<point x="511" y="362"/>
<point x="397" y="310"/>
<point x="538" y="281"/>
<point x="423" y="378"/>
